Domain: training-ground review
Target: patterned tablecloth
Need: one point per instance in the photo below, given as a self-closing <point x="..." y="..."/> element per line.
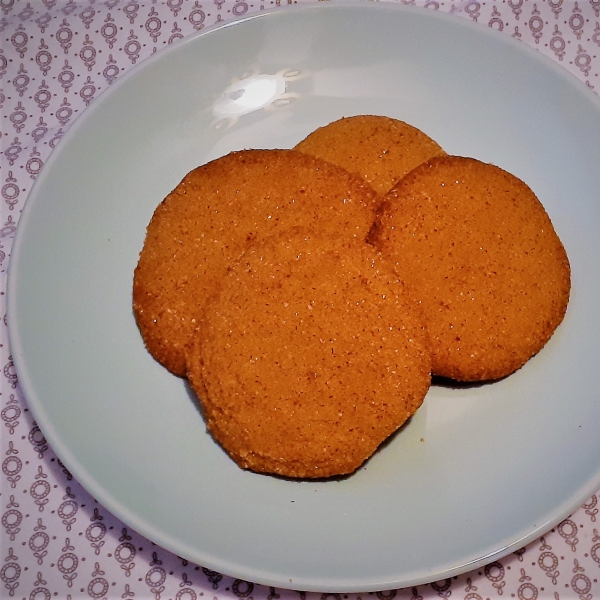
<point x="56" y="541"/>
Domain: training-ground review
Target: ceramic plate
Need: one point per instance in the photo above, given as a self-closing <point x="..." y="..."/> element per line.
<point x="479" y="471"/>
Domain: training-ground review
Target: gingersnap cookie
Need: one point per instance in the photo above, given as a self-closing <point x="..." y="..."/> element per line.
<point x="379" y="149"/>
<point x="310" y="355"/>
<point x="207" y="221"/>
<point x="481" y="253"/>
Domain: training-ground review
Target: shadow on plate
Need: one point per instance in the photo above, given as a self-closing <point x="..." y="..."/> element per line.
<point x="452" y="384"/>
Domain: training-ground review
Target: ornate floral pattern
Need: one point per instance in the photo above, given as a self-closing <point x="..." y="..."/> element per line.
<point x="56" y="56"/>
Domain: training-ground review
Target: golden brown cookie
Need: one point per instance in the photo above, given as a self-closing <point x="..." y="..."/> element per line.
<point x="311" y="354"/>
<point x="379" y="149"/>
<point x="483" y="256"/>
<point x="206" y="222"/>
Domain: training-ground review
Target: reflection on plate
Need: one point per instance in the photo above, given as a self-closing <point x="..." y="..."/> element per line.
<point x="479" y="471"/>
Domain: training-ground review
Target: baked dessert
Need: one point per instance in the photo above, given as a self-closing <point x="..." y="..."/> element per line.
<point x="311" y="354"/>
<point x="379" y="149"/>
<point x="480" y="251"/>
<point x="206" y="222"/>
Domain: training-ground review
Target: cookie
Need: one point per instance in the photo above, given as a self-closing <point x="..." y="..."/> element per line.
<point x="310" y="355"/>
<point x="379" y="149"/>
<point x="481" y="253"/>
<point x="209" y="218"/>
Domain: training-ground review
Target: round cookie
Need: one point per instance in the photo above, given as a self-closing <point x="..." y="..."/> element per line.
<point x="207" y="221"/>
<point x="311" y="354"/>
<point x="379" y="149"/>
<point x="482" y="255"/>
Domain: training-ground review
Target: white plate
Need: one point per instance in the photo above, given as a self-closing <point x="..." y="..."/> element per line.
<point x="499" y="465"/>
